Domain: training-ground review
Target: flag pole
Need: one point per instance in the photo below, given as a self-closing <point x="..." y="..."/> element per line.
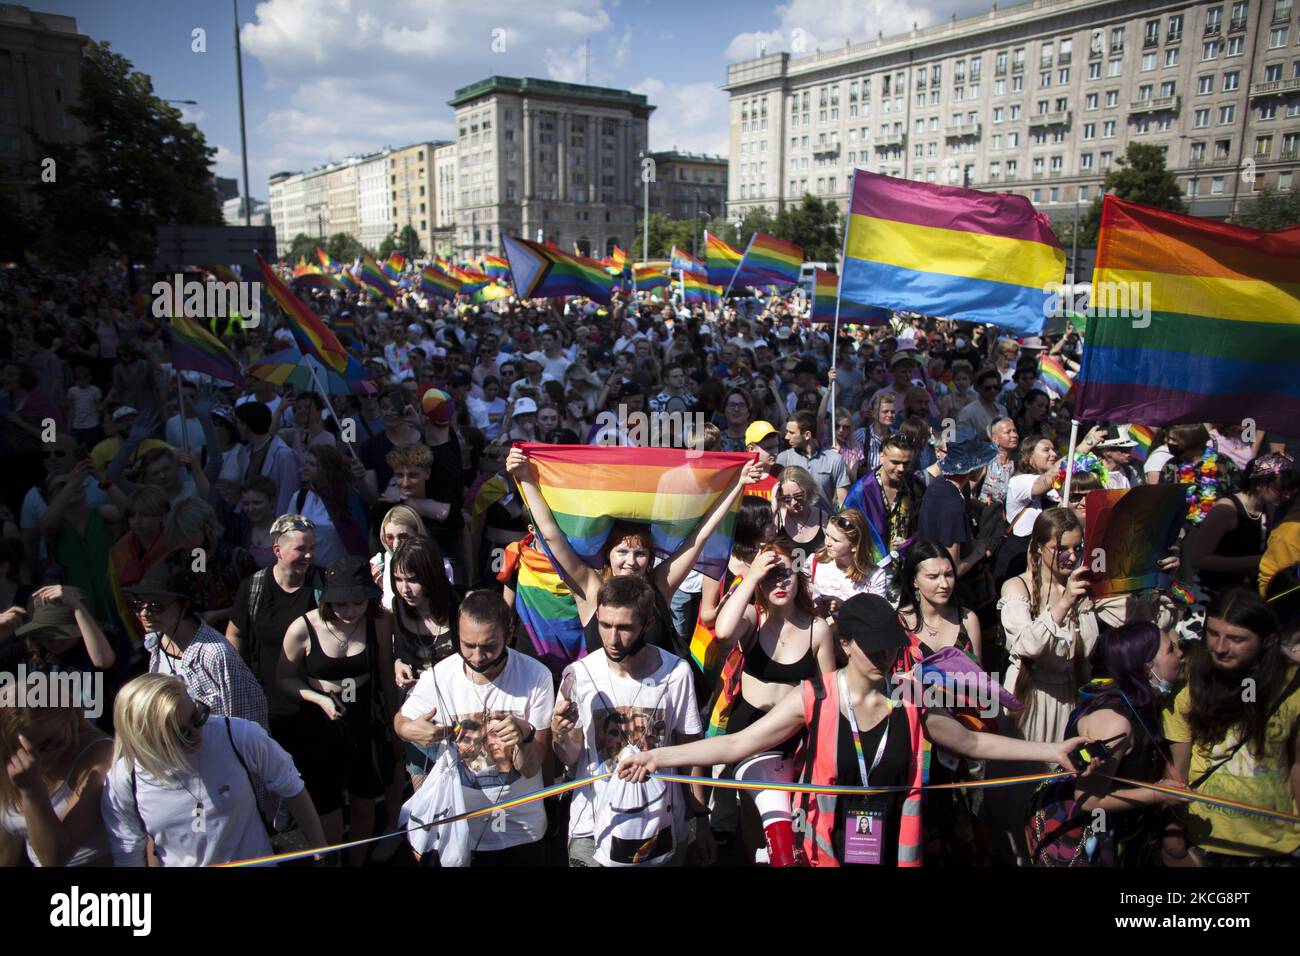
<point x="180" y="394"/>
<point x="839" y="288"/>
<point x="739" y="265"/>
<point x="328" y="404"/>
<point x="1069" y="461"/>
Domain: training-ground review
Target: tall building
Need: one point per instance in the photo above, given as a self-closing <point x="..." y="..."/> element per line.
<point x="410" y="184"/>
<point x="1039" y="99"/>
<point x="536" y="157"/>
<point x="40" y="78"/>
<point x="687" y="184"/>
<point x="232" y="212"/>
<point x="373" y="222"/>
<point x="444" y="199"/>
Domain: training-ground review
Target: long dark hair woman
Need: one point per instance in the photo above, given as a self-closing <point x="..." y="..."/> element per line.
<point x="329" y="501"/>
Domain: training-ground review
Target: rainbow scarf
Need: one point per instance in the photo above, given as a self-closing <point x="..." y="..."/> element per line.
<point x="590" y="487"/>
<point x="545" y="606"/>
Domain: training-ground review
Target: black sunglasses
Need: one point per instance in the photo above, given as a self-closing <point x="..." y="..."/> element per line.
<point x="153" y="607"/>
<point x="201" y="714"/>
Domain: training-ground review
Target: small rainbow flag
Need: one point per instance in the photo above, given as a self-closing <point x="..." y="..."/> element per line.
<point x="1145" y="436"/>
<point x="490" y="293"/>
<point x="312" y="335"/>
<point x="375" y="278"/>
<point x="545" y="606"/>
<point x="538" y="272"/>
<point x="496" y="268"/>
<point x="685" y="262"/>
<point x="436" y="283"/>
<point x="1054" y="375"/>
<point x="650" y="277"/>
<point x="196" y="349"/>
<point x="768" y="259"/>
<point x="618" y="259"/>
<point x="696" y="289"/>
<point x="326" y="262"/>
<point x="826" y="289"/>
<point x="470" y="279"/>
<point x="394" y="266"/>
<point x="348" y="281"/>
<point x="706" y="650"/>
<point x="589" y="487"/>
<point x="723" y="261"/>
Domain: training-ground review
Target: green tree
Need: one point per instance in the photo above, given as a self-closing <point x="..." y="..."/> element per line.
<point x="1270" y="209"/>
<point x="1139" y="176"/>
<point x="303" y="246"/>
<point x="664" y="234"/>
<point x="140" y="167"/>
<point x="343" y="247"/>
<point x="758" y="219"/>
<point x="814" y="225"/>
<point x="386" y="247"/>
<point x="408" y="243"/>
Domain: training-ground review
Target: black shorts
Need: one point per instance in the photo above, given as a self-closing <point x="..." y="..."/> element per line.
<point x="350" y="755"/>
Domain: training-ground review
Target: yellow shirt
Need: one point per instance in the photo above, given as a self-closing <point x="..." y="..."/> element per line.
<point x="1264" y="782"/>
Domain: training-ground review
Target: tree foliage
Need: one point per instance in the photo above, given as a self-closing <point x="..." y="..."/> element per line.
<point x="140" y="167"/>
<point x="664" y="234"/>
<point x="1270" y="209"/>
<point x="343" y="247"/>
<point x="302" y="247"/>
<point x="814" y="225"/>
<point x="1139" y="176"/>
<point x="408" y="243"/>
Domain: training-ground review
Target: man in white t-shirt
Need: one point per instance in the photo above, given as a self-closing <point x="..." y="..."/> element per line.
<point x="494" y="705"/>
<point x="628" y="695"/>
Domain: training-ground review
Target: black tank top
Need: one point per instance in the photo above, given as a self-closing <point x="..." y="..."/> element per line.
<point x="420" y="651"/>
<point x="322" y="667"/>
<point x="1245" y="540"/>
<point x="758" y="665"/>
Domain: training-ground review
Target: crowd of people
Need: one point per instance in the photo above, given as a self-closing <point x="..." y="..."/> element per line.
<point x="301" y="616"/>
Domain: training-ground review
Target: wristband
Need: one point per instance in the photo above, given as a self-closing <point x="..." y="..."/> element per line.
<point x="532" y="732"/>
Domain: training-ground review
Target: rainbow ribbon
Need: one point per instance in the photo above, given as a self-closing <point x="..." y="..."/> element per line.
<point x="1191" y="796"/>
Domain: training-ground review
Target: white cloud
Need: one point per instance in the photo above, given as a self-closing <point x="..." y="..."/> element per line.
<point x="688" y="116"/>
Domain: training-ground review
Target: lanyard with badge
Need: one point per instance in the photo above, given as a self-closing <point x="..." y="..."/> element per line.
<point x="868" y="815"/>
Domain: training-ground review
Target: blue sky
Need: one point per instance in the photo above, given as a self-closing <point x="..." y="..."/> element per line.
<point x="324" y="79"/>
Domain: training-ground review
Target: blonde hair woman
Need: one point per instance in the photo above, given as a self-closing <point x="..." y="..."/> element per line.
<point x="801" y="514"/>
<point x="192" y="786"/>
<point x="401" y="524"/>
<point x="52" y="767"/>
<point x="843" y="567"/>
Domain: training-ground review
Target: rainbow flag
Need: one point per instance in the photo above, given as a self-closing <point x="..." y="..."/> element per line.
<point x="196" y="349"/>
<point x="1145" y="436"/>
<point x="618" y="259"/>
<point x="685" y="262"/>
<point x="545" y="606"/>
<point x="942" y="250"/>
<point x="496" y="268"/>
<point x="1211" y="331"/>
<point x="394" y="266"/>
<point x="435" y="283"/>
<point x="312" y="335"/>
<point x="1054" y="376"/>
<point x="769" y="259"/>
<point x="301" y="267"/>
<point x="314" y="278"/>
<point x="326" y="262"/>
<point x="826" y="291"/>
<point x="706" y="650"/>
<point x="348" y="281"/>
<point x="696" y="289"/>
<point x="1135" y="528"/>
<point x="723" y="261"/>
<point x="375" y="278"/>
<point x="650" y="277"/>
<point x="589" y="487"/>
<point x="538" y="272"/>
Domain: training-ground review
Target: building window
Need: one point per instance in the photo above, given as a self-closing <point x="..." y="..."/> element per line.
<point x="1227" y="114"/>
<point x="1277" y="38"/>
<point x="1209" y="49"/>
<point x="1094" y="71"/>
<point x="1090" y="101"/>
<point x="1171" y="56"/>
<point x="1204" y="85"/>
<point x="1231" y="81"/>
<point x="1085" y="160"/>
<point x="1216" y="186"/>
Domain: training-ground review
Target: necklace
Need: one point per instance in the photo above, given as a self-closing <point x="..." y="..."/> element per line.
<point x="343" y="639"/>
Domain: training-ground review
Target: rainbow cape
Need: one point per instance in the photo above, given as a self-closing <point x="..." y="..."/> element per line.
<point x="196" y="349"/>
<point x="312" y="335"/>
<point x="1214" y="334"/>
<point x="540" y="272"/>
<point x="1054" y="375"/>
<point x="722" y="260"/>
<point x="768" y="259"/>
<point x="545" y="606"/>
<point x="826" y="292"/>
<point x="589" y="487"/>
<point x="942" y="250"/>
<point x="437" y="283"/>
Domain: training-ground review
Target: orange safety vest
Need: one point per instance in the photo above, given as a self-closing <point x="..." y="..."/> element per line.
<point x="821" y="713"/>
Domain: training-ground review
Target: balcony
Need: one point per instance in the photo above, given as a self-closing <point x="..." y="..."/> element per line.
<point x="1274" y="87"/>
<point x="1217" y="162"/>
<point x="1018" y="67"/>
<point x="1096" y="53"/>
<point x="1038" y="174"/>
<point x="1155" y="104"/>
<point x="1000" y="71"/>
<point x="1237" y="26"/>
<point x="1281" y="14"/>
<point x="1117" y="49"/>
<point x="890" y="139"/>
<point x="1289" y="153"/>
<point x="826" y="149"/>
<point x="1213" y="28"/>
<point x="1150" y="42"/>
<point x="1054" y="118"/>
<point x="959" y="130"/>
<point x="1174" y="37"/>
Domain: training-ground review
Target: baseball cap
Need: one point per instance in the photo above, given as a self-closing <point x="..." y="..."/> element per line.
<point x="870" y="622"/>
<point x="525" y="406"/>
<point x="757" y="431"/>
<point x="437" y="406"/>
<point x="123" y="412"/>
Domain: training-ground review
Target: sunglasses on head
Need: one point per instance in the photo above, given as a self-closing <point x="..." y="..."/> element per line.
<point x="845" y="525"/>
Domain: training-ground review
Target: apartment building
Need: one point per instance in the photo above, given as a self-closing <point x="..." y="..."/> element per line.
<point x="1038" y="99"/>
<point x="688" y="184"/>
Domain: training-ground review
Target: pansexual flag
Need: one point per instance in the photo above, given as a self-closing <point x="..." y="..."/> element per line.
<point x="722" y="260"/>
<point x="312" y="335"/>
<point x="589" y="487"/>
<point x="374" y="277"/>
<point x="696" y="289"/>
<point x="195" y="349"/>
<point x="435" y="282"/>
<point x="545" y="606"/>
<point x="826" y="286"/>
<point x="685" y="262"/>
<point x="1054" y="375"/>
<point x="539" y="272"/>
<point x="1213" y="328"/>
<point x="769" y="259"/>
<point x="943" y="250"/>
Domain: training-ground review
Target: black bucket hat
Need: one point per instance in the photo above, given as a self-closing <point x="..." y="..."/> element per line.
<point x="348" y="581"/>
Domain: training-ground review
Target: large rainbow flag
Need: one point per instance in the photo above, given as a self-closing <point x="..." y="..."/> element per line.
<point x="1217" y="333"/>
<point x="589" y="487"/>
<point x="722" y="260"/>
<point x="943" y="250"/>
<point x="769" y="259"/>
<point x="496" y="268"/>
<point x="545" y="606"/>
<point x="312" y="335"/>
<point x="196" y="349"/>
<point x="540" y="272"/>
<point x="373" y="277"/>
<point x="696" y="289"/>
<point x="437" y="283"/>
<point x="826" y="292"/>
<point x="685" y="262"/>
<point x="650" y="276"/>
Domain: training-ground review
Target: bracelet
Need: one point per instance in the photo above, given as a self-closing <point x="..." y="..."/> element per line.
<point x="532" y="733"/>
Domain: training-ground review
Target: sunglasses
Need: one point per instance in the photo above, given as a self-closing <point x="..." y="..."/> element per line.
<point x="778" y="576"/>
<point x="153" y="607"/>
<point x="845" y="525"/>
<point x="297" y="524"/>
<point x="201" y="714"/>
<point x="799" y="497"/>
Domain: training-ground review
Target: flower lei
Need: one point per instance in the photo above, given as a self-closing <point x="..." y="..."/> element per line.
<point x="1204" y="481"/>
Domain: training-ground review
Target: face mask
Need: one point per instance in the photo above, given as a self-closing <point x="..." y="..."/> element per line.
<point x="488" y="666"/>
<point x="1159" y="684"/>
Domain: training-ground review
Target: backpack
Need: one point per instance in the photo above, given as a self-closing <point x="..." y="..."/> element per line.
<point x="633" y="821"/>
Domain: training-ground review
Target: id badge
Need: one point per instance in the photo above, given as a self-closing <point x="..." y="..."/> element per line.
<point x="864" y="831"/>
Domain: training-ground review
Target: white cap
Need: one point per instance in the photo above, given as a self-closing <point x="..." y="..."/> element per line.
<point x="123" y="412"/>
<point x="525" y="406"/>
